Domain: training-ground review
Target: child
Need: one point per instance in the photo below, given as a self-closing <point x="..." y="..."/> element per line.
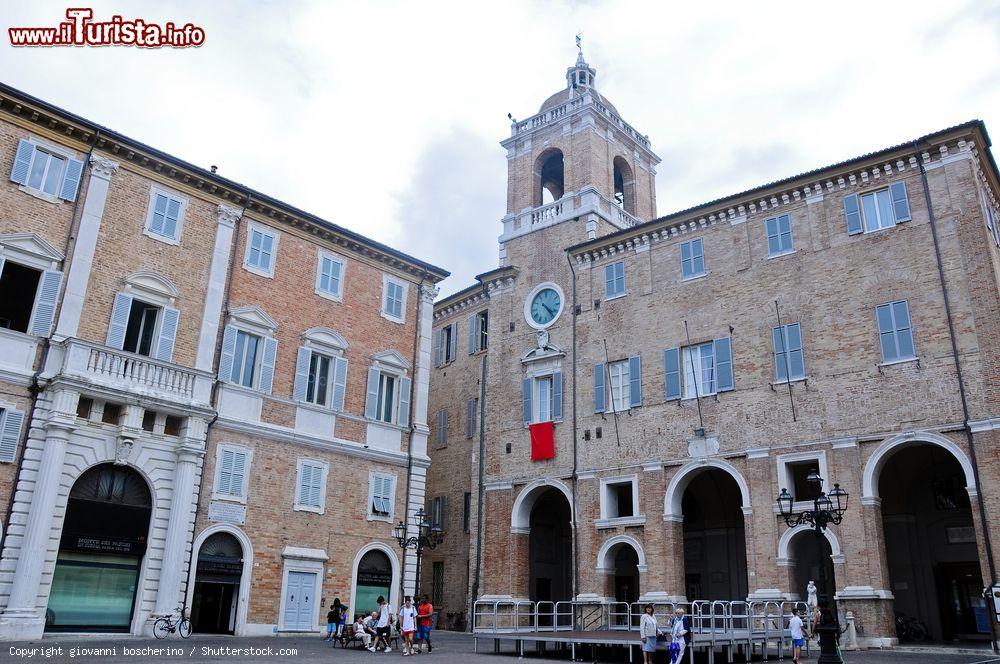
<point x="407" y="624"/>
<point x="331" y="621"/>
<point x="343" y="622"/>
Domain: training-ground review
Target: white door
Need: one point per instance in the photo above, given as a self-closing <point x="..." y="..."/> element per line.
<point x="299" y="600"/>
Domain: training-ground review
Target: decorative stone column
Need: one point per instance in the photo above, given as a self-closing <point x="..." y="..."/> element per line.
<point x="189" y="457"/>
<point x="216" y="287"/>
<point x="23" y="618"/>
<point x="673" y="571"/>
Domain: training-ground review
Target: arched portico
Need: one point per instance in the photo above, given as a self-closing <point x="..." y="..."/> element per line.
<point x="890" y="446"/>
<point x="682" y="478"/>
<point x="606" y="554"/>
<point x="784" y="543"/>
<point x="520" y="516"/>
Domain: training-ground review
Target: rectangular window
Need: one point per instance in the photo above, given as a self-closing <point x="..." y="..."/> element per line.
<point x="381" y="495"/>
<point x="699" y="361"/>
<point x="141" y="328"/>
<point x="437" y="583"/>
<point x="466" y="511"/>
<point x="245" y="359"/>
<point x="329" y="276"/>
<point x="614" y="279"/>
<point x="787" y="344"/>
<point x="311" y="485"/>
<point x="165" y="214"/>
<point x="318" y="387"/>
<point x="386" y="398"/>
<point x="895" y="333"/>
<point x="437" y="514"/>
<point x="779" y="235"/>
<point x="231" y="474"/>
<point x="483" y="330"/>
<point x="448" y="343"/>
<point x="692" y="259"/>
<point x="18" y="287"/>
<point x="620" y="385"/>
<point x="543" y="399"/>
<point x="393" y="299"/>
<point x="802" y="488"/>
<point x="877" y="209"/>
<point x="46" y="172"/>
<point x="261" y="245"/>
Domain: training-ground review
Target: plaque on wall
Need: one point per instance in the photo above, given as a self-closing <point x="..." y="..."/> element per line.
<point x="227" y="512"/>
<point x="961" y="534"/>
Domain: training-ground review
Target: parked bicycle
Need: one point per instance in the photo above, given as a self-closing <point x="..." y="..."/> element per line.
<point x="909" y="628"/>
<point x="167" y="625"/>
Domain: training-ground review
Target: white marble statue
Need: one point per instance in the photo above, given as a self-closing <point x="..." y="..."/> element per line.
<point x="811" y="599"/>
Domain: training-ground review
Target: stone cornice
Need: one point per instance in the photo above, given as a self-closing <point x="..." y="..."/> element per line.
<point x="770" y="200"/>
<point x="28" y="111"/>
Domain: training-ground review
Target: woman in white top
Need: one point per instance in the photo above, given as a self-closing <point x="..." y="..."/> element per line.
<point x="678" y="634"/>
<point x="408" y="624"/>
<point x="648" y="632"/>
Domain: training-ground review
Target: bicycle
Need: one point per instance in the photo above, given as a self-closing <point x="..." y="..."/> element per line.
<point x="166" y="625"/>
<point x="909" y="628"/>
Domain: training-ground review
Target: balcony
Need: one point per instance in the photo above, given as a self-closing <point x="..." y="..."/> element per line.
<point x="138" y="375"/>
<point x="575" y="104"/>
<point x="571" y="206"/>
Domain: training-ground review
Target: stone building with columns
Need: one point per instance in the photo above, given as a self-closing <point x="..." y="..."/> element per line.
<point x="208" y="398"/>
<point x="690" y="366"/>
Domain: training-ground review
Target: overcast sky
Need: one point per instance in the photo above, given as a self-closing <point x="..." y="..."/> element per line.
<point x="386" y="117"/>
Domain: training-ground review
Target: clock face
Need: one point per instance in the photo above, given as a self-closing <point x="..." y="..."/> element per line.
<point x="545" y="306"/>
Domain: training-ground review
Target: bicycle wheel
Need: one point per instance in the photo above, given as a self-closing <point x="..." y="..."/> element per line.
<point x="918" y="632"/>
<point x="161" y="628"/>
<point x="184" y="628"/>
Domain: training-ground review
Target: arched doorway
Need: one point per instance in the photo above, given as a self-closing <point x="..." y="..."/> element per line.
<point x="804" y="559"/>
<point x="930" y="542"/>
<point x="715" y="554"/>
<point x="549" y="177"/>
<point x="550" y="548"/>
<point x="374" y="579"/>
<point x="103" y="542"/>
<point x="217" y="585"/>
<point x="624" y="185"/>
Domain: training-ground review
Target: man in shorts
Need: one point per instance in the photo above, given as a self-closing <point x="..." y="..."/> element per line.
<point x="424" y="612"/>
<point x="795" y="626"/>
<point x="383" y="627"/>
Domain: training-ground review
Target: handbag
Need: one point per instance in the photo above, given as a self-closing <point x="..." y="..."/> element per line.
<point x="661" y="638"/>
<point x="674" y="650"/>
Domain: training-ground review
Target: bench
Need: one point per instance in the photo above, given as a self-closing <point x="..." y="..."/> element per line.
<point x="349" y="638"/>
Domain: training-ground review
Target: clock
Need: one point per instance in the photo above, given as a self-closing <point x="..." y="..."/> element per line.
<point x="544" y="306"/>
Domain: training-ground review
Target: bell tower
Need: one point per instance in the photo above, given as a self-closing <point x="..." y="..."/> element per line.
<point x="575" y="170"/>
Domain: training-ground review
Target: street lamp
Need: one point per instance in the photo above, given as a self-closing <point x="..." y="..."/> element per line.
<point x="427" y="536"/>
<point x="826" y="509"/>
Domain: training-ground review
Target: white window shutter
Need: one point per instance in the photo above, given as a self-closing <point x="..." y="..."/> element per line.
<point x="305" y="470"/>
<point x="526" y="400"/>
<point x="45" y="309"/>
<point x="438" y="355"/>
<point x="473" y="320"/>
<point x="442" y="427"/>
<point x="10" y="432"/>
<point x="119" y="320"/>
<point x="168" y="334"/>
<point x="301" y="374"/>
<point x="228" y="352"/>
<point x="224" y="486"/>
<point x="239" y="473"/>
<point x="635" y="381"/>
<point x="71" y="180"/>
<point x="557" y="396"/>
<point x="900" y="202"/>
<point x="453" y="342"/>
<point x="723" y="364"/>
<point x="267" y="364"/>
<point x="339" y="383"/>
<point x="371" y="396"/>
<point x="404" y="402"/>
<point x="852" y="211"/>
<point x="470" y="418"/>
<point x="22" y="161"/>
<point x="171" y="218"/>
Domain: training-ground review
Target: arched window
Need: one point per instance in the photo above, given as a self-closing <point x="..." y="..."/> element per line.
<point x="549" y="177"/>
<point x="624" y="185"/>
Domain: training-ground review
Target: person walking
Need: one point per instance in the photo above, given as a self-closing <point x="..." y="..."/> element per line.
<point x="648" y="632"/>
<point x="795" y="626"/>
<point x="425" y="611"/>
<point x="680" y="635"/>
<point x="407" y="624"/>
<point x="383" y="627"/>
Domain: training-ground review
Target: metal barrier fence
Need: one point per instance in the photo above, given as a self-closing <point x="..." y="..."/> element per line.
<point x="731" y="627"/>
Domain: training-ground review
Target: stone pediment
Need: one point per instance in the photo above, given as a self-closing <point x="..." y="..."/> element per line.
<point x="391" y="359"/>
<point x="151" y="285"/>
<point x="324" y="336"/>
<point x="254" y="317"/>
<point x="30" y="249"/>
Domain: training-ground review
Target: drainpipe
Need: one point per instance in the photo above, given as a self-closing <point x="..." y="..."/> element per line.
<point x="958" y="374"/>
<point x="409" y="446"/>
<point x="35" y="388"/>
<point x="576" y="526"/>
<point x="480" y="490"/>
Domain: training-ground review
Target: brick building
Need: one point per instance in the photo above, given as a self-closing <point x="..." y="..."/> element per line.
<point x="208" y="397"/>
<point x="845" y="320"/>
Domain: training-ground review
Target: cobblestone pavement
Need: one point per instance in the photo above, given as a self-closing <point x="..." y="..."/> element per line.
<point x="451" y="648"/>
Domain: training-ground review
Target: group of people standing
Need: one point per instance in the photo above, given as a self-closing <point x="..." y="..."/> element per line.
<point x="413" y="622"/>
<point x="650" y="633"/>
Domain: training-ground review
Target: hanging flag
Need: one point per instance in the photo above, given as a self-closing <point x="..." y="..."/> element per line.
<point x="543" y="441"/>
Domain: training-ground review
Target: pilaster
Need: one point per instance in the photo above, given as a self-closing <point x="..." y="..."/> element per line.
<point x="215" y="290"/>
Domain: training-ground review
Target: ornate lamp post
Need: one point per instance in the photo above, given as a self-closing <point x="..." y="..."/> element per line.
<point x="826" y="509"/>
<point x="427" y="536"/>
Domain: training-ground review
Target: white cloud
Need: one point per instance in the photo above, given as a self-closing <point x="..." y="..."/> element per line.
<point x="386" y="117"/>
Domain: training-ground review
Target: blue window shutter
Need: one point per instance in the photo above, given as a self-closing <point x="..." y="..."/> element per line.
<point x="900" y="202"/>
<point x="119" y="320"/>
<point x="225" y="484"/>
<point x="635" y="381"/>
<point x="557" y="396"/>
<point x="599" y="405"/>
<point x="228" y="352"/>
<point x="267" y="364"/>
<point x="168" y="334"/>
<point x="442" y="427"/>
<point x="171" y="218"/>
<point x="239" y="473"/>
<point x="470" y="418"/>
<point x="404" y="402"/>
<point x="526" y="401"/>
<point x="371" y="394"/>
<point x="45" y="309"/>
<point x="672" y="373"/>
<point x="777" y="339"/>
<point x="853" y="213"/>
<point x="438" y="355"/>
<point x="339" y="383"/>
<point x="22" y="161"/>
<point x="723" y="364"/>
<point x="609" y="280"/>
<point x="473" y="320"/>
<point x="10" y="432"/>
<point x="71" y="180"/>
<point x="302" y="361"/>
<point x="453" y="343"/>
